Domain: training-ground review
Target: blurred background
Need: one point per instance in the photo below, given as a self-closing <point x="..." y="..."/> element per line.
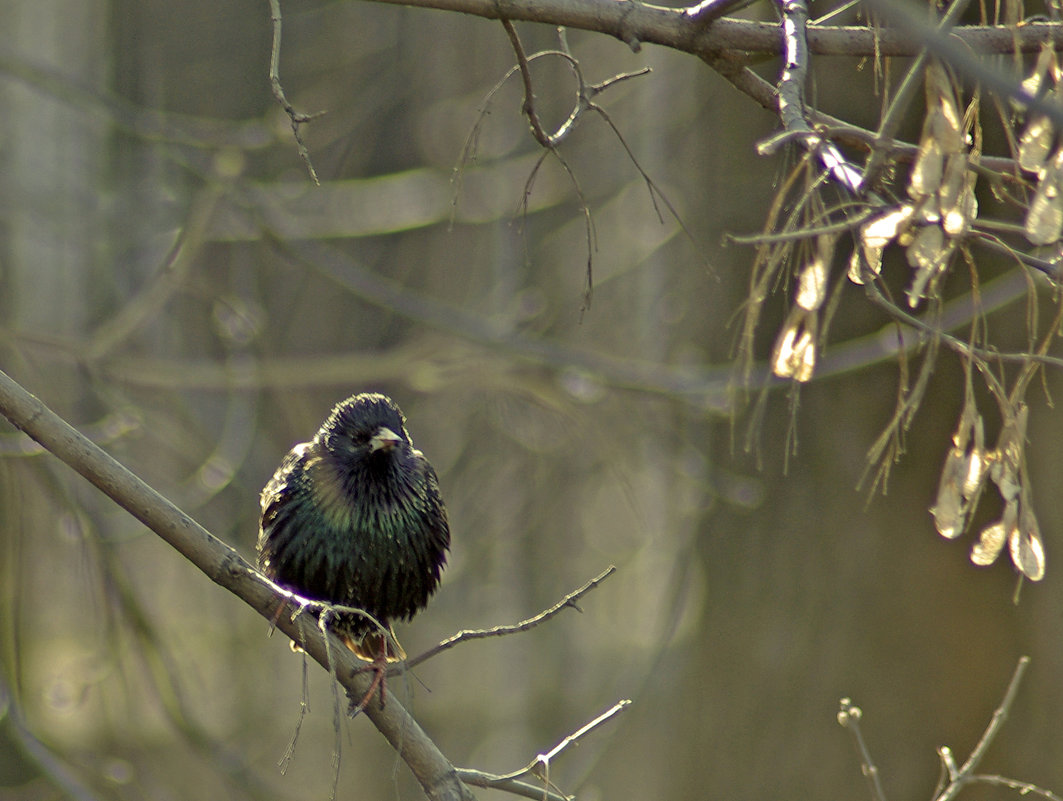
<point x="173" y="285"/>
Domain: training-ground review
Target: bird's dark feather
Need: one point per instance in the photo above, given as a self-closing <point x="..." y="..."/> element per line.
<point x="349" y="525"/>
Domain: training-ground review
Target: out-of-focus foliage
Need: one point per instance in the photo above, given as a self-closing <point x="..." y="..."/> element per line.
<point x="172" y="284"/>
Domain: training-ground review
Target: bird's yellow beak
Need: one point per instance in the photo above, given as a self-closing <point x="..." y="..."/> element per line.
<point x="384" y="439"/>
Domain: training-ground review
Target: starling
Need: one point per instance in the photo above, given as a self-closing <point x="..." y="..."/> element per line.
<point x="354" y="517"/>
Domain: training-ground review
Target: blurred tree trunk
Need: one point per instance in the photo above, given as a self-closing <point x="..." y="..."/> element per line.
<point x="53" y="167"/>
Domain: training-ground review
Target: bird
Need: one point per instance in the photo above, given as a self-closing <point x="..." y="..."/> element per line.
<point x="354" y="517"/>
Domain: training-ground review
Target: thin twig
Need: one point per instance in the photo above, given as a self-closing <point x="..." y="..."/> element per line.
<point x="965" y="774"/>
<point x="528" y="107"/>
<point x="541" y="764"/>
<point x="966" y="62"/>
<point x="956" y="777"/>
<point x="849" y="716"/>
<point x="588" y="218"/>
<point x="960" y="346"/>
<point x="574" y="738"/>
<point x="297" y="117"/>
<point x="651" y="185"/>
<point x="478" y="778"/>
<point x="304" y="710"/>
<point x="858" y="216"/>
<point x="501" y="631"/>
<point x="585" y="94"/>
<point x="1023" y="788"/>
<point x="891" y="120"/>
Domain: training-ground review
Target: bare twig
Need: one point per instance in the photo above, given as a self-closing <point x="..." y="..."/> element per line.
<point x="528" y="107"/>
<point x="849" y="716"/>
<point x="574" y="738"/>
<point x="894" y="116"/>
<point x="683" y="30"/>
<point x="585" y="94"/>
<point x="304" y="710"/>
<point x="954" y="778"/>
<point x="651" y="186"/>
<point x="478" y="778"/>
<point x="588" y="219"/>
<point x="540" y="766"/>
<point x="1023" y="788"/>
<point x="297" y="117"/>
<point x="960" y="346"/>
<point x="569" y="601"/>
<point x="942" y="45"/>
<point x="792" y="110"/>
<point x="965" y="774"/>
<point x="585" y="101"/>
<point x="797" y="234"/>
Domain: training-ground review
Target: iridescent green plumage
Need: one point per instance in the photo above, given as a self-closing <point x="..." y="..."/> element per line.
<point x="354" y="517"/>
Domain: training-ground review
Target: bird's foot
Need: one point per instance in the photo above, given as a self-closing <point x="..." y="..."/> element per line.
<point x="379" y="685"/>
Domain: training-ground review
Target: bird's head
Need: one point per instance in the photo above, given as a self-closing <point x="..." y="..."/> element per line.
<point x="366" y="427"/>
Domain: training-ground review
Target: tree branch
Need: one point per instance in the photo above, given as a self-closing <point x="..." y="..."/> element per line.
<point x="792" y="109"/>
<point x="685" y="29"/>
<point x="943" y="45"/>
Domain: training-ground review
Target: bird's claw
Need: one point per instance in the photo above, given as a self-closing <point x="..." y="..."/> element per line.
<point x="377" y="687"/>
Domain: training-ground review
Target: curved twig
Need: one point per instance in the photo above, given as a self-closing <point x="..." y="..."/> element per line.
<point x="297" y="118"/>
<point x="569" y="601"/>
<point x="958" y="778"/>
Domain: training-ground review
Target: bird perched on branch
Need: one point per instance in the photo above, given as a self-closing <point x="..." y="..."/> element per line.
<point x="354" y="518"/>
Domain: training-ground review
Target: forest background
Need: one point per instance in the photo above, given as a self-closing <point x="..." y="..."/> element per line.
<point x="176" y="286"/>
